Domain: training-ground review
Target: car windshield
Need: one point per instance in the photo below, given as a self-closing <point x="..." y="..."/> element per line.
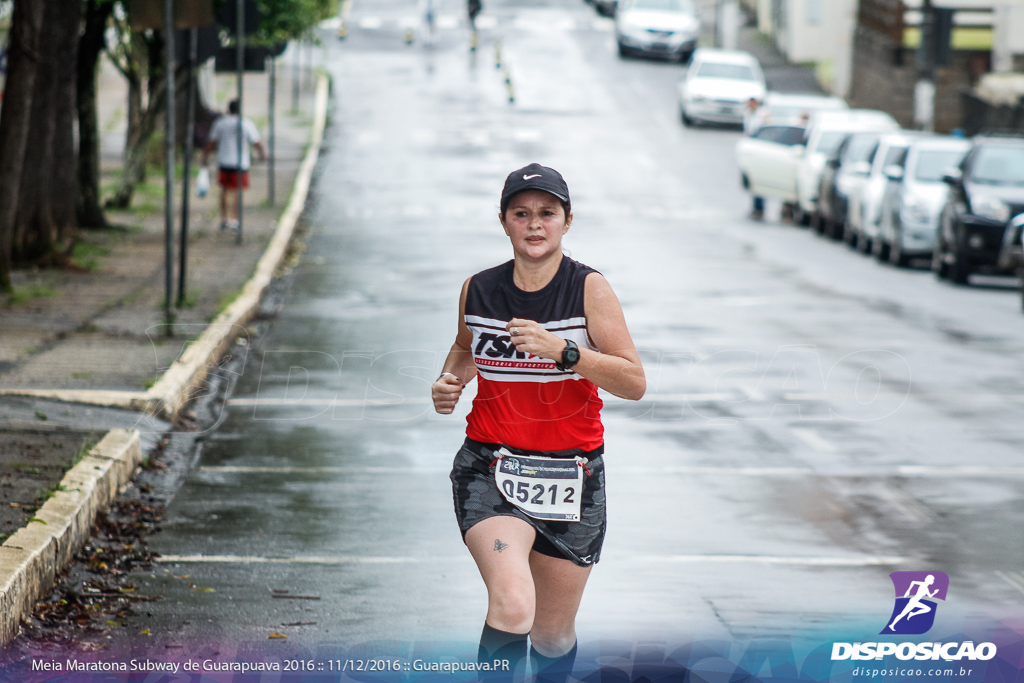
<point x="932" y="163"/>
<point x="829" y="142"/>
<point x="999" y="165"/>
<point x="719" y="70"/>
<point x="784" y="135"/>
<point x="663" y="5"/>
<point x="860" y="148"/>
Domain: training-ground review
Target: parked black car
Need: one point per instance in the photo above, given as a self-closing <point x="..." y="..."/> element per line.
<point x="844" y="174"/>
<point x="985" y="192"/>
<point x="1011" y="255"/>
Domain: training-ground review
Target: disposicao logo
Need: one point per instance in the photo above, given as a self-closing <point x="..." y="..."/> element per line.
<point x="916" y="593"/>
<point x="914" y="614"/>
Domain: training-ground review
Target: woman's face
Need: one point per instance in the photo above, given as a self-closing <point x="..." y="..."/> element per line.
<point x="535" y="222"/>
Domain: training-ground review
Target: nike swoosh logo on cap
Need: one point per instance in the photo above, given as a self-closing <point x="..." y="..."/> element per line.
<point x="528" y="177"/>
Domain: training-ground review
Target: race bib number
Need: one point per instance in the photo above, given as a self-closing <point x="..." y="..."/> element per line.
<point x="544" y="488"/>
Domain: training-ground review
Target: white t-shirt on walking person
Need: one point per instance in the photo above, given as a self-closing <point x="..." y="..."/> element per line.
<point x="225" y="134"/>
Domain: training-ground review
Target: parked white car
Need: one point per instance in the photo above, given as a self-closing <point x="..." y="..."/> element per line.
<point x="768" y="159"/>
<point x="793" y="109"/>
<point x="667" y="28"/>
<point x="718" y="85"/>
<point x="914" y="197"/>
<point x="864" y="210"/>
<point x="825" y="132"/>
<point x="769" y="154"/>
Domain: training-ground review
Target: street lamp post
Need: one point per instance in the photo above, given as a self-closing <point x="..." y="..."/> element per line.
<point x="169" y="166"/>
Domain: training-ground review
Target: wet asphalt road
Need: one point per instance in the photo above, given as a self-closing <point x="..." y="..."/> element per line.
<point x="814" y="420"/>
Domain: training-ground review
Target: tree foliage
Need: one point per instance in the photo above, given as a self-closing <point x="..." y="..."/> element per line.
<point x="285" y="20"/>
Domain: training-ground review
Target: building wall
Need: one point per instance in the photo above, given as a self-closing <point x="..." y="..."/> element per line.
<point x="884" y="75"/>
<point x="816" y="31"/>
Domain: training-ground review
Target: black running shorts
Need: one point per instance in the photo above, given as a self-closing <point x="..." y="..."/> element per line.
<point x="477" y="498"/>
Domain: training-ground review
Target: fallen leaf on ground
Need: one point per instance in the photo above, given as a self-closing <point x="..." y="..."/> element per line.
<point x="275" y="634"/>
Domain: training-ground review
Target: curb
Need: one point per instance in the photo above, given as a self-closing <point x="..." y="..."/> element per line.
<point x="31" y="558"/>
<point x="178" y="384"/>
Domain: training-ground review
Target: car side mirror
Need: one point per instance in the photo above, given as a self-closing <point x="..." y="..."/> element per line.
<point x="952" y="177"/>
<point x="893" y="172"/>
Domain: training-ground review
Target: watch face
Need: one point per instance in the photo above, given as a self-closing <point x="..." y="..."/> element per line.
<point x="572" y="354"/>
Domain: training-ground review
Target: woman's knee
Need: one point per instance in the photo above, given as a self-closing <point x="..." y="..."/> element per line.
<point x="512" y="609"/>
<point x="553" y="639"/>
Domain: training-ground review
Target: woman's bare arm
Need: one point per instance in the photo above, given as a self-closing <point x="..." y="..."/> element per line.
<point x="459" y="367"/>
<point x="615" y="366"/>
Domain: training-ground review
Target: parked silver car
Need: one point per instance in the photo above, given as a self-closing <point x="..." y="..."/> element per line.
<point x="914" y="197"/>
<point x="717" y="86"/>
<point x="667" y="28"/>
<point x="864" y="211"/>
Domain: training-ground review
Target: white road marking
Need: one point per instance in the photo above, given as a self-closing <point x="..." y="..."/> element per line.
<point x="981" y="472"/>
<point x="322" y="470"/>
<point x="958" y="471"/>
<point x="447" y="21"/>
<point x="1015" y="579"/>
<point x="632" y="559"/>
<point x="777" y="560"/>
<point x="909" y="506"/>
<point x="813" y="440"/>
<point x="754" y="394"/>
<point x="486" y="22"/>
<point x="370" y="23"/>
<point x="324" y="402"/>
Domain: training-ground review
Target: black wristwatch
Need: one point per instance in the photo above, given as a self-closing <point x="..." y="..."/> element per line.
<point x="570" y="355"/>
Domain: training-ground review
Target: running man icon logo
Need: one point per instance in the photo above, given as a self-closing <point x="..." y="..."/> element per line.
<point x="916" y="592"/>
<point x="511" y="465"/>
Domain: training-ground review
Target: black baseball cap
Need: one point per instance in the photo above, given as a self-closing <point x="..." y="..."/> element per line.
<point x="534" y="177"/>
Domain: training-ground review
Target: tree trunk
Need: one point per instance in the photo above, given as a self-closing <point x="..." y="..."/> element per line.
<point x="41" y="206"/>
<point x="64" y="189"/>
<point x="22" y="68"/>
<point x="90" y="47"/>
<point x="146" y="121"/>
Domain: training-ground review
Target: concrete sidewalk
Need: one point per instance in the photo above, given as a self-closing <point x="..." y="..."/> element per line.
<point x="90" y="371"/>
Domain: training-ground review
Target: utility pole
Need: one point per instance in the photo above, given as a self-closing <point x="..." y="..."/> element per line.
<point x="924" y="89"/>
<point x="240" y="51"/>
<point x="271" y="105"/>
<point x="186" y="187"/>
<point x="169" y="166"/>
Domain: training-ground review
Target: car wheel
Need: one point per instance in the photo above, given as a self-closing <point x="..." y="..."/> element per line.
<point x="849" y="236"/>
<point x="800" y="216"/>
<point x="687" y="121"/>
<point x="622" y="50"/>
<point x="939" y="265"/>
<point x="818" y="223"/>
<point x="882" y="250"/>
<point x="865" y="244"/>
<point x="1021" y="274"/>
<point x="960" y="269"/>
<point x="684" y="56"/>
<point x="896" y="255"/>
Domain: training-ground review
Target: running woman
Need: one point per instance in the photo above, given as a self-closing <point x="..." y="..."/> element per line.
<point x="540" y="333"/>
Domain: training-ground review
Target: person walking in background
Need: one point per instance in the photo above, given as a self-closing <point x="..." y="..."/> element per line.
<point x="231" y="178"/>
<point x="753" y="119"/>
<point x="473" y="8"/>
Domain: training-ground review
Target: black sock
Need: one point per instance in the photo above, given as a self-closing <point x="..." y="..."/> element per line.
<point x="552" y="669"/>
<point x="503" y="647"/>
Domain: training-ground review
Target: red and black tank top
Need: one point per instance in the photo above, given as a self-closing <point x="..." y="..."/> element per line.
<point x="522" y="400"/>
